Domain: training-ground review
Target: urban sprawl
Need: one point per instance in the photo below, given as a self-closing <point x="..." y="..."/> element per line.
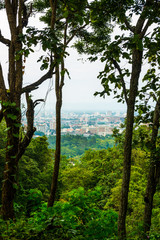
<point x="85" y="124"/>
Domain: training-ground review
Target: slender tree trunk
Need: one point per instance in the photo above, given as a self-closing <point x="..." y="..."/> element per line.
<point x="136" y="69"/>
<point x="53" y="5"/>
<point x="154" y="172"/>
<point x="59" y="82"/>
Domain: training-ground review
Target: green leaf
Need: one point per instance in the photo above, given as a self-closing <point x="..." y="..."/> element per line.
<point x="15" y="186"/>
<point x="4" y="180"/>
<point x="66" y="13"/>
<point x="17" y="125"/>
<point x="116" y="37"/>
<point x="10" y="146"/>
<point x="16" y="135"/>
<point x="13" y="104"/>
<point x="7" y="129"/>
<point x="119" y="86"/>
<point x="11" y="116"/>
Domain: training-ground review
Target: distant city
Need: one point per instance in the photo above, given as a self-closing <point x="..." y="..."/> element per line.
<point x="78" y="123"/>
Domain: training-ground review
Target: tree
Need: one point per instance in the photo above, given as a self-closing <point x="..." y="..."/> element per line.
<point x="17" y="13"/>
<point x="101" y="168"/>
<point x="129" y="46"/>
<point x="65" y="20"/>
<point x="150" y="93"/>
<point x="154" y="171"/>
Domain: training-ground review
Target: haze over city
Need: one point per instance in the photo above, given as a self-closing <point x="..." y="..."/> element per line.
<point x="78" y="92"/>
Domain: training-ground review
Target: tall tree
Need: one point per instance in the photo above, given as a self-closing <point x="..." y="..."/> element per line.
<point x="148" y="96"/>
<point x="134" y="19"/>
<point x="74" y="20"/>
<point x="64" y="19"/>
<point x="154" y="171"/>
<point x="17" y="14"/>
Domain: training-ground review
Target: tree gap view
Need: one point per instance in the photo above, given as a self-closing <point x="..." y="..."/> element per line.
<point x="101" y="180"/>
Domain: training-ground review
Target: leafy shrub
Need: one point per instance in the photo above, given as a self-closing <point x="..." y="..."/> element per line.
<point x="154" y="236"/>
<point x="80" y="218"/>
<point x="75" y="219"/>
<point x="34" y="199"/>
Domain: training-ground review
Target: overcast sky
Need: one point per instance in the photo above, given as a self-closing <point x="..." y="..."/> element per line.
<point x="78" y="92"/>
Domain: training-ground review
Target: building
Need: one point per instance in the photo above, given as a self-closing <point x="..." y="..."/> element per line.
<point x="41" y="127"/>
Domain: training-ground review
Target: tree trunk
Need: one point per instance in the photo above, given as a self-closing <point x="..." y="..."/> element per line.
<point x="11" y="102"/>
<point x="10" y="172"/>
<point x="11" y="105"/>
<point x="154" y="173"/>
<point x="136" y="69"/>
<point x="58" y="91"/>
<point x="58" y="86"/>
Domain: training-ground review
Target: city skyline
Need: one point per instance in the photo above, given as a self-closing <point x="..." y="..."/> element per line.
<point x="86" y="124"/>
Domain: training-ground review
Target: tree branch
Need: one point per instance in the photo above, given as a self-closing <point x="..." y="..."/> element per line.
<point x="36" y="84"/>
<point x="143" y="17"/>
<point x="65" y="33"/>
<point x="116" y="65"/>
<point x="145" y="28"/>
<point x="11" y="12"/>
<point x="2" y="85"/>
<point x="1" y="115"/>
<point x="139" y="25"/>
<point x="128" y="25"/>
<point x="26" y="14"/>
<point x="4" y="40"/>
<point x="38" y="101"/>
<point x="62" y="76"/>
<point x="30" y="129"/>
<point x="70" y="39"/>
<point x="53" y="5"/>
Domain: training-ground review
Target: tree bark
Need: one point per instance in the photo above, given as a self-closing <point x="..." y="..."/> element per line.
<point x="59" y="82"/>
<point x="136" y="69"/>
<point x="154" y="172"/>
<point x="10" y="172"/>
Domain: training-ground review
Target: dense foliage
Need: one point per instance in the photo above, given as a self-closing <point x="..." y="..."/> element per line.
<point x="75" y="145"/>
<point x="78" y="217"/>
<point x="88" y="192"/>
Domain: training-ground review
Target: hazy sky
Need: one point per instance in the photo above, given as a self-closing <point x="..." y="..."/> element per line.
<point x="78" y="92"/>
